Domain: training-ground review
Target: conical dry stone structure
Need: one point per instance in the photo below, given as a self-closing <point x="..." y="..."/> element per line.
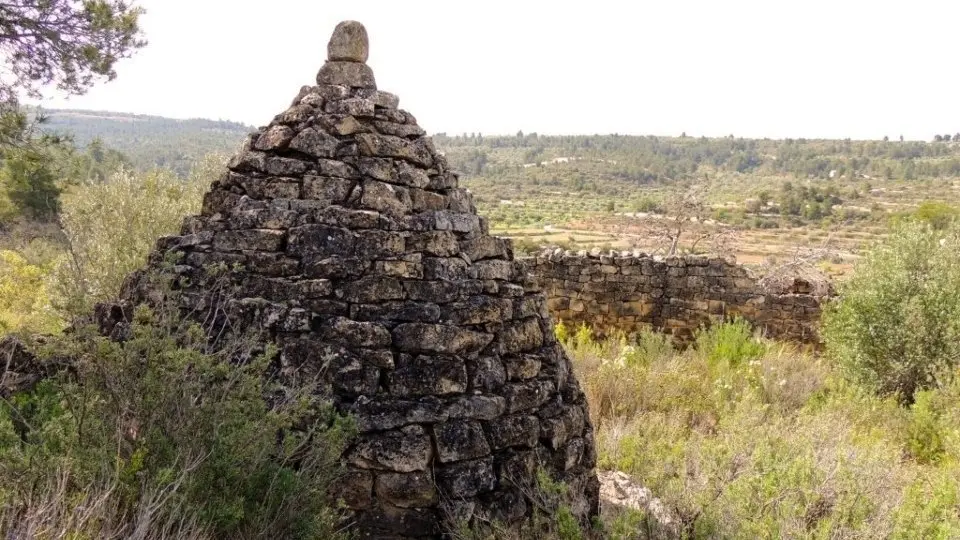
<point x="369" y="267"/>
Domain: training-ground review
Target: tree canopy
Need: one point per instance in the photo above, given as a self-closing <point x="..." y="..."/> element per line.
<point x="66" y="43"/>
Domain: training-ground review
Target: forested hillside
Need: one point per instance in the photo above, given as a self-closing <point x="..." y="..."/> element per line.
<point x="150" y="141"/>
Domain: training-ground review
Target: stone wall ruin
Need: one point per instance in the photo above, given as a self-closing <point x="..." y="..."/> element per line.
<point x="632" y="291"/>
<point x="354" y="250"/>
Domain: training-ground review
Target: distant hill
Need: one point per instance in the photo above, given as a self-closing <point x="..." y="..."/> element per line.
<point x="150" y="141"/>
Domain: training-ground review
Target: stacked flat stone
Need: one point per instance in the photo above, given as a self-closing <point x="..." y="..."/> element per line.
<point x="369" y="267"/>
<point x="632" y="291"/>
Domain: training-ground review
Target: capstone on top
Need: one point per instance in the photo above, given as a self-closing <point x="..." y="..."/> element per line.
<point x="347" y="53"/>
<point x="349" y="43"/>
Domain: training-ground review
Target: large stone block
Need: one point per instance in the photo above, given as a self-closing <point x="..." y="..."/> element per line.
<point x="424" y="375"/>
<point x="439" y="338"/>
<point x="404" y="450"/>
<point x="465" y="479"/>
<point x="460" y="440"/>
<point x="253" y="239"/>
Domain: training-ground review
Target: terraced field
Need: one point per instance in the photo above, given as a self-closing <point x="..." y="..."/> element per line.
<point x="585" y="204"/>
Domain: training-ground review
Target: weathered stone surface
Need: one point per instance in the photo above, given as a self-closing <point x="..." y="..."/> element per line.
<point x="521" y="430"/>
<point x="526" y="396"/>
<point x="320" y="240"/>
<point x="343" y="125"/>
<point x="415" y="152"/>
<point x="354" y="107"/>
<point x="459" y="440"/>
<point x="522" y="367"/>
<point x="275" y="138"/>
<point x="410" y="490"/>
<point x="517" y="467"/>
<point x="397" y="311"/>
<point x="412" y="176"/>
<point x="351" y="74"/>
<point x="349" y="43"/>
<point x="432" y="291"/>
<point x="399" y="130"/>
<point x="333" y="266"/>
<point x="386" y="198"/>
<point x="437" y="243"/>
<point x="255" y="239"/>
<point x="521" y="337"/>
<point x="484" y="247"/>
<point x="373" y="289"/>
<point x="336" y="169"/>
<point x="315" y="143"/>
<point x="388" y="521"/>
<point x="633" y="291"/>
<point x="477" y="310"/>
<point x="377" y="244"/>
<point x="327" y="190"/>
<point x="354" y="488"/>
<point x="350" y="375"/>
<point x="386" y="100"/>
<point x="466" y="478"/>
<point x="423" y="200"/>
<point x="477" y="407"/>
<point x="439" y="338"/>
<point x="355" y="334"/>
<point x="487" y="374"/>
<point x="423" y="375"/>
<point x="404" y="450"/>
<point x="385" y="412"/>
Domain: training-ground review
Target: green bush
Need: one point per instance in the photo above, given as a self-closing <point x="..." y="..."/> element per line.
<point x="939" y="215"/>
<point x="896" y="327"/>
<point x="28" y="178"/>
<point x="162" y="431"/>
<point x="731" y="344"/>
<point x="929" y="509"/>
<point x="111" y="226"/>
<point x="25" y="303"/>
<point x="925" y="440"/>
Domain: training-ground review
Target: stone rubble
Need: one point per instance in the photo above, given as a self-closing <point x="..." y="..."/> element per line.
<point x="619" y="491"/>
<point x="362" y="259"/>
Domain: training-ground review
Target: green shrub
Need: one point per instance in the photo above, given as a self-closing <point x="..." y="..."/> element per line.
<point x="160" y="424"/>
<point x="28" y="179"/>
<point x="111" y="226"/>
<point x="896" y="327"/>
<point x="925" y="440"/>
<point x="929" y="509"/>
<point x="730" y="344"/>
<point x="939" y="215"/>
<point x="25" y="303"/>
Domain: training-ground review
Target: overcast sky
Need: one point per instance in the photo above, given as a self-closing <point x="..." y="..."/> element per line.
<point x="764" y="68"/>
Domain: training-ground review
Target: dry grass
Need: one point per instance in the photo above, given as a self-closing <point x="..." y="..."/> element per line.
<point x="759" y="442"/>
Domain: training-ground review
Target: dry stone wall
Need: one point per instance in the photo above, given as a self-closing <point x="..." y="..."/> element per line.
<point x="630" y="291"/>
<point x="352" y="248"/>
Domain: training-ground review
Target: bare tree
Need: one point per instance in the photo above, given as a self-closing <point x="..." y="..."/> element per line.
<point x="685" y="217"/>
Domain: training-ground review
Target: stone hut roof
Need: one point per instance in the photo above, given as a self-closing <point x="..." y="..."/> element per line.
<point x="365" y="262"/>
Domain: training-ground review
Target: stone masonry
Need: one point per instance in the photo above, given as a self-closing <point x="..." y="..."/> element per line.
<point x="631" y="291"/>
<point x="355" y="251"/>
